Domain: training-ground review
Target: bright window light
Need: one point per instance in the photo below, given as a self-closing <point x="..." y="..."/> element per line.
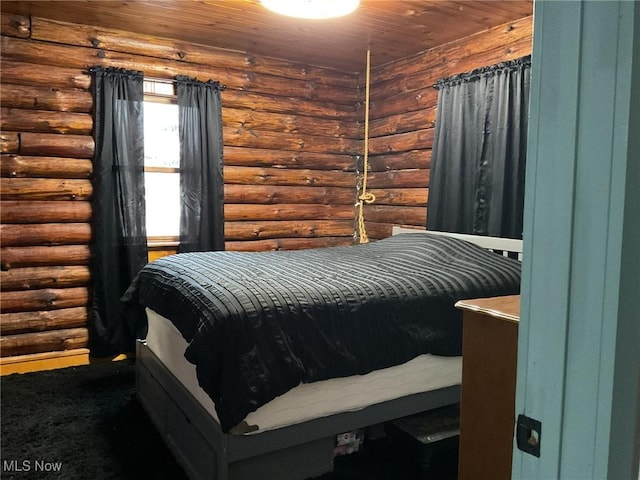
<point x="161" y="161"/>
<point x="161" y="141"/>
<point x="162" y="192"/>
<point x="315" y="9"/>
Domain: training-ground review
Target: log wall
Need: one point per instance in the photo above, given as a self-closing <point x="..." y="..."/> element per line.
<point x="402" y="119"/>
<point x="45" y="209"/>
<point x="291" y="138"/>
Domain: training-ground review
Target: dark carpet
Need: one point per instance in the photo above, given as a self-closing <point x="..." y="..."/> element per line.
<point x="85" y="423"/>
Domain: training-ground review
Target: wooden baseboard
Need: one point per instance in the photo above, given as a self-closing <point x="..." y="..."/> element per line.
<point x="36" y="362"/>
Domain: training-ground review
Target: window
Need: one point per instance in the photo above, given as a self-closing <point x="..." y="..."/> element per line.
<point x="161" y="162"/>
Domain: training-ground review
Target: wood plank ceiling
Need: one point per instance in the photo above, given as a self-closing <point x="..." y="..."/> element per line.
<point x="391" y="29"/>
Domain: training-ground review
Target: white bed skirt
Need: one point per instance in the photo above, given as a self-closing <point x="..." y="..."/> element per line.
<point x="310" y="400"/>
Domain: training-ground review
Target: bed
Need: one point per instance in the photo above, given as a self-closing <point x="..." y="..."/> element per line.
<point x="254" y="362"/>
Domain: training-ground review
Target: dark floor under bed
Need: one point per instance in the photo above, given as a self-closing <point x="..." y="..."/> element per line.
<point x="85" y="422"/>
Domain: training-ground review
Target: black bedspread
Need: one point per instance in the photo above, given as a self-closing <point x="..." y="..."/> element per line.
<point x="258" y="324"/>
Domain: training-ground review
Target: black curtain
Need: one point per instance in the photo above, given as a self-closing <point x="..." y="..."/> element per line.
<point x="120" y="240"/>
<point x="479" y="151"/>
<point x="201" y="182"/>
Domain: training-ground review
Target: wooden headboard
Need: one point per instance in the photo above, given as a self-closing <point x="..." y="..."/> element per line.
<point x="508" y="247"/>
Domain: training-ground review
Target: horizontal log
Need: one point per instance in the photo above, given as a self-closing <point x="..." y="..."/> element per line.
<point x="30" y="278"/>
<point x="422" y="99"/>
<point x="39" y="256"/>
<point x="31" y="51"/>
<point x="15" y="26"/>
<point x="402" y="142"/>
<point x="403" y="122"/>
<point x="412" y="178"/>
<point x="395" y="214"/>
<point x="24" y="322"/>
<point x="241" y="137"/>
<point x="401" y="196"/>
<point x="20" y="73"/>
<point x="278" y="103"/>
<point x="377" y="231"/>
<point x="21" y="120"/>
<point x="287" y="229"/>
<point x="45" y="299"/>
<point x="46" y="98"/>
<point x="45" y="189"/>
<point x="281" y="176"/>
<point x="9" y="142"/>
<point x="289" y="123"/>
<point x="243" y="212"/>
<point x="183" y="52"/>
<point x="267" y="157"/>
<point x="45" y="234"/>
<point x="408" y="86"/>
<point x="14" y="211"/>
<point x="397" y="161"/>
<point x="268" y="194"/>
<point x="409" y="91"/>
<point x="512" y="51"/>
<point x="287" y="244"/>
<point x="53" y="340"/>
<point x="54" y="145"/>
<point x="12" y="165"/>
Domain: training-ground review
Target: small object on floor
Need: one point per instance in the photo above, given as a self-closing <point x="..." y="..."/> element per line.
<point x="433" y="435"/>
<point x="432" y="426"/>
<point x="348" y="442"/>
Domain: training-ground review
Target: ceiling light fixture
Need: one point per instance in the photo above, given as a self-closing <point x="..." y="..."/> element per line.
<point x="314" y="9"/>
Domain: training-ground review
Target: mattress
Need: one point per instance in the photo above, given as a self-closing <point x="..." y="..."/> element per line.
<point x="309" y="400"/>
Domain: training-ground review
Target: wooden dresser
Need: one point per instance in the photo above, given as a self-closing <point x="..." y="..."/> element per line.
<point x="487" y="405"/>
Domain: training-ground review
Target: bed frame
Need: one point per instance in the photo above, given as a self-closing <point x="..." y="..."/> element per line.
<point x="508" y="247"/>
<point x="295" y="452"/>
